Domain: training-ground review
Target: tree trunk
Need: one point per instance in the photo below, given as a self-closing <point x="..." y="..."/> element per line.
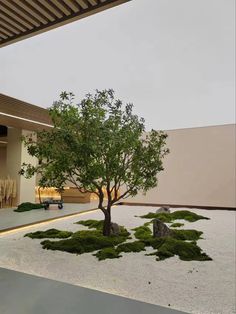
<point x="39" y="192"/>
<point x="107" y="214"/>
<point x="107" y="222"/>
<point x="107" y="225"/>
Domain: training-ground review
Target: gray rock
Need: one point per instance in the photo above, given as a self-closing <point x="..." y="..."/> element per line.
<point x="160" y="229"/>
<point x="115" y="229"/>
<point x="164" y="209"/>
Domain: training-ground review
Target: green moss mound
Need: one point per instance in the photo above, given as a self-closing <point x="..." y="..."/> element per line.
<point x="187" y="215"/>
<point x="112" y="252"/>
<point x="182" y="243"/>
<point x="95" y="237"/>
<point x="86" y="234"/>
<point x="136" y="246"/>
<point x="50" y="233"/>
<point x="164" y="217"/>
<point x="124" y="232"/>
<point x="175" y="245"/>
<point x="142" y="232"/>
<point x="91" y="223"/>
<point x="180" y="214"/>
<point x="86" y="241"/>
<point x="191" y="235"/>
<point x="106" y="253"/>
<point x="176" y="225"/>
<point x="24" y="207"/>
<point x="187" y="251"/>
<point x="98" y="225"/>
<point x="155" y="243"/>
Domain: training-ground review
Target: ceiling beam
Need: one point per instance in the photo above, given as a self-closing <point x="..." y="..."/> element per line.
<point x="33" y="17"/>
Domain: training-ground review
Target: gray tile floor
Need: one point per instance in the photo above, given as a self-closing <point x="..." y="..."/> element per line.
<point x="10" y="219"/>
<point x="26" y="294"/>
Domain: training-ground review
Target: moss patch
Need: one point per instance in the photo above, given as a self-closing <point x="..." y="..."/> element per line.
<point x="136" y="246"/>
<point x="164" y="217"/>
<point x="86" y="233"/>
<point x="24" y="207"/>
<point x="176" y="225"/>
<point x="92" y="239"/>
<point x="98" y="225"/>
<point x="91" y="223"/>
<point x="109" y="252"/>
<point x="155" y="243"/>
<point x="169" y="217"/>
<point x="175" y="245"/>
<point x="187" y="251"/>
<point x="112" y="252"/>
<point x="85" y="241"/>
<point x="192" y="235"/>
<point x="142" y="232"/>
<point x="187" y="215"/>
<point x="50" y="233"/>
<point x="94" y="236"/>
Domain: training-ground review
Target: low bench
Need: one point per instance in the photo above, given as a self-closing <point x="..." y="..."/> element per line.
<point x="46" y="203"/>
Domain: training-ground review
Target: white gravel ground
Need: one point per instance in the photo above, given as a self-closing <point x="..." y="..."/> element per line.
<point x="194" y="287"/>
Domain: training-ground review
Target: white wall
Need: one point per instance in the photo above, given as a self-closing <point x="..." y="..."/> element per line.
<point x="3" y="165"/>
<point x="200" y="169"/>
<point x="27" y="186"/>
<point x="16" y="155"/>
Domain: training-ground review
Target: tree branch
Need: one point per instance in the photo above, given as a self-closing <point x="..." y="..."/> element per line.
<point x="124" y="195"/>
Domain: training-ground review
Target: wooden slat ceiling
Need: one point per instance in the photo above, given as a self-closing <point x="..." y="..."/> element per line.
<point x="20" y="114"/>
<point x="20" y="19"/>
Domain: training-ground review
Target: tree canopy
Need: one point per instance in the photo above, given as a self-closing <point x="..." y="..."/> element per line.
<point x="95" y="145"/>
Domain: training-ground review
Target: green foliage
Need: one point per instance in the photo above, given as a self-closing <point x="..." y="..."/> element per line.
<point x="142" y="232"/>
<point x="112" y="252"/>
<point x="98" y="225"/>
<point x="192" y="235"/>
<point x="179" y="214"/>
<point x="164" y="217"/>
<point x="187" y="215"/>
<point x="86" y="233"/>
<point x="155" y="243"/>
<point x="176" y="225"/>
<point x="92" y="223"/>
<point x="173" y="245"/>
<point x="50" y="233"/>
<point x="27" y="206"/>
<point x="85" y="241"/>
<point x="187" y="251"/>
<point x="95" y="237"/>
<point x="109" y="252"/>
<point x="99" y="142"/>
<point x="136" y="246"/>
<point x="69" y="245"/>
<point x="124" y="232"/>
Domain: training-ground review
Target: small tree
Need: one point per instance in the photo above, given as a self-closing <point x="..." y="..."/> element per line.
<point x="96" y="146"/>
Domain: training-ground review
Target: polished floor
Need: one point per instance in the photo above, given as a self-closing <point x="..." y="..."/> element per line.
<point x="26" y="294"/>
<point x="10" y="219"/>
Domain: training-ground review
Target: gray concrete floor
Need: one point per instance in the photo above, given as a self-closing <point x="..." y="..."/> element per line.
<point x="11" y="219"/>
<point x="26" y="294"/>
